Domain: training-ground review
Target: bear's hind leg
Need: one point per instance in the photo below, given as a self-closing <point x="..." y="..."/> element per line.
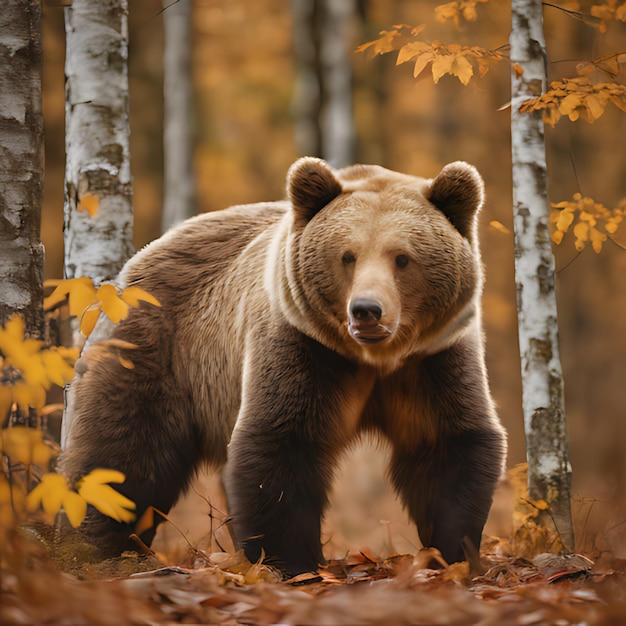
<point x="133" y="421"/>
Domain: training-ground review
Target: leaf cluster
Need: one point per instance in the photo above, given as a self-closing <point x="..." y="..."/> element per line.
<point x="28" y="369"/>
<point x="610" y="10"/>
<point x="457" y="11"/>
<point x="87" y="302"/>
<point x="592" y="222"/>
<point x="460" y="61"/>
<point x="25" y="447"/>
<point x="577" y="98"/>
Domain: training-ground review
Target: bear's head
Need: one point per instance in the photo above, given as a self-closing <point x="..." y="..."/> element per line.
<point x="378" y="265"/>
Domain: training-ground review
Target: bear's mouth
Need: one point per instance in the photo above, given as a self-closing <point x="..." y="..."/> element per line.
<point x="368" y="333"/>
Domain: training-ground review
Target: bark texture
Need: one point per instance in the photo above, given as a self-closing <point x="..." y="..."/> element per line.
<point x="97" y="139"/>
<point x="180" y="195"/>
<point x="549" y="471"/>
<point x="21" y="164"/>
<point x="323" y="108"/>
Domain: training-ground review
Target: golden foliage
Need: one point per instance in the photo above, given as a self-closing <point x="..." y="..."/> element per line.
<point x="592" y="222"/>
<point x="455" y="11"/>
<point x="54" y="493"/>
<point x="28" y="369"/>
<point x="453" y="59"/>
<point x="94" y="488"/>
<point x="580" y="97"/>
<point x="86" y="302"/>
<point x="609" y="10"/>
<point x="22" y="446"/>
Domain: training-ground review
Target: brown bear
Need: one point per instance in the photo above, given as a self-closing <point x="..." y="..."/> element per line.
<point x="285" y="330"/>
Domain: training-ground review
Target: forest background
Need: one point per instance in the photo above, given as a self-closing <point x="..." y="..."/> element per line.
<point x="244" y="75"/>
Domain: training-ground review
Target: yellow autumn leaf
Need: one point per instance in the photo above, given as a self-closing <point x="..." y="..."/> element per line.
<point x="597" y="238"/>
<point x="133" y="294"/>
<point x="52" y="493"/>
<point x="24" y="445"/>
<point x="453" y="64"/>
<point x="88" y="320"/>
<point x="564" y="220"/>
<point x="57" y="368"/>
<point x="25" y="395"/>
<point x="500" y="227"/>
<point x="382" y="45"/>
<point x="146" y="521"/>
<point x="462" y="69"/>
<point x="113" y="306"/>
<point x="557" y="236"/>
<point x="49" y="493"/>
<point x="75" y="508"/>
<point x="95" y="490"/>
<point x="595" y="107"/>
<point x="581" y="232"/>
<point x="80" y="291"/>
<point x="89" y="203"/>
<point x="446" y="11"/>
<point x="441" y="65"/>
<point x="421" y="62"/>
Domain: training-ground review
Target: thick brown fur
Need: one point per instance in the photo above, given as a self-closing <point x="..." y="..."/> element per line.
<point x="285" y="330"/>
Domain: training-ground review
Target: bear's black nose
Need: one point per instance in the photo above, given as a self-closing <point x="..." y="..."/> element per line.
<point x="366" y="310"/>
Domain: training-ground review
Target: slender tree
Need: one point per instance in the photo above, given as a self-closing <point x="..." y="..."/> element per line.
<point x="180" y="196"/>
<point x="323" y="105"/>
<point x="542" y="380"/>
<point x="21" y="164"/>
<point x="98" y="186"/>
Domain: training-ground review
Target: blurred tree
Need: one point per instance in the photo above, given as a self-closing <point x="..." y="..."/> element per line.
<point x="324" y="118"/>
<point x="180" y="196"/>
<point x="98" y="185"/>
<point x="21" y="164"/>
<point x="549" y="472"/>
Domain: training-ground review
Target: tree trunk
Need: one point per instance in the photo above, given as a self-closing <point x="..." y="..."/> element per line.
<point x="323" y="108"/>
<point x="97" y="140"/>
<point x="180" y="198"/>
<point x="21" y="164"/>
<point x="549" y="472"/>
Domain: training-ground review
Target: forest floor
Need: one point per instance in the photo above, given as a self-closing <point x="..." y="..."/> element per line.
<point x="224" y="588"/>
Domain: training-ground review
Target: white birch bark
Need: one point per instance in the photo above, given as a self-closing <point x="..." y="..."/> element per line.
<point x="180" y="198"/>
<point x="97" y="139"/>
<point x="21" y="164"/>
<point x="549" y="471"/>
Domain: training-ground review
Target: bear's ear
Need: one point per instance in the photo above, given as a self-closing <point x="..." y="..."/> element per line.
<point x="458" y="192"/>
<point x="311" y="185"/>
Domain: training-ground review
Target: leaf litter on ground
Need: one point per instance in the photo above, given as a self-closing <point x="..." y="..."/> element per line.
<point x="361" y="588"/>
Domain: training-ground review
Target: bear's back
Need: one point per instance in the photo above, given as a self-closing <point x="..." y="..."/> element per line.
<point x="195" y="253"/>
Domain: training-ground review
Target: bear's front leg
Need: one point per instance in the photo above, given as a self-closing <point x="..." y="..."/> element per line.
<point x="448" y="488"/>
<point x="283" y="451"/>
<point x="448" y="448"/>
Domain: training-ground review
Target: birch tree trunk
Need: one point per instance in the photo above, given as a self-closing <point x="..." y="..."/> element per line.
<point x="549" y="472"/>
<point x="97" y="139"/>
<point x="21" y="164"/>
<point x="180" y="198"/>
<point x="323" y="106"/>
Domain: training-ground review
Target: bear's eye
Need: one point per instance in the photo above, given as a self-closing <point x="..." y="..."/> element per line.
<point x="402" y="260"/>
<point x="348" y="258"/>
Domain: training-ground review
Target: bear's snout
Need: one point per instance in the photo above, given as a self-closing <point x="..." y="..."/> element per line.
<point x="364" y="321"/>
